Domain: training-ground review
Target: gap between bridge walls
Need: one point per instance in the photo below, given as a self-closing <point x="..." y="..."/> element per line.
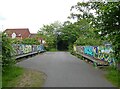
<point x="24" y="48"/>
<point x="104" y="53"/>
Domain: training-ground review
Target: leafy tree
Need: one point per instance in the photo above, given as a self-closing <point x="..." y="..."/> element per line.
<point x="105" y="17"/>
<point x="50" y="33"/>
<point x="108" y="21"/>
<point x="80" y="33"/>
<point x="88" y="37"/>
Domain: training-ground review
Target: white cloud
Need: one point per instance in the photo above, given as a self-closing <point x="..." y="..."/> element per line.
<point x="33" y="13"/>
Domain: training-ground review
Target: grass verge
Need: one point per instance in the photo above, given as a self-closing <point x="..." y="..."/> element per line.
<point x="19" y="77"/>
<point x="11" y="74"/>
<point x="113" y="75"/>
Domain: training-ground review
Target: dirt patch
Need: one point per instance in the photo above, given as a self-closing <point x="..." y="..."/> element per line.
<point x="31" y="78"/>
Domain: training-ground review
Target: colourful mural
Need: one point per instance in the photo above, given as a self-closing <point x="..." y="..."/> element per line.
<point x="104" y="53"/>
<point x="23" y="48"/>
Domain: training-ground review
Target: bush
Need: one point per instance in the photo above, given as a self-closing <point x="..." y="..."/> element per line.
<point x="7" y="50"/>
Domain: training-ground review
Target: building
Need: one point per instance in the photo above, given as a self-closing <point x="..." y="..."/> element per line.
<point x="22" y="33"/>
<point x="19" y="33"/>
<point x="40" y="39"/>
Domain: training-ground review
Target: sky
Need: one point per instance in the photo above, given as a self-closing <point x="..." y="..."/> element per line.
<point x="33" y="14"/>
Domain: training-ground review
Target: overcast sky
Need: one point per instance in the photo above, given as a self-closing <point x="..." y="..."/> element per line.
<point x="33" y="14"/>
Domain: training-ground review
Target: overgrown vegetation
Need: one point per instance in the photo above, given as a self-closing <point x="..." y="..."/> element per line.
<point x="12" y="75"/>
<point x="113" y="76"/>
<point x="7" y="50"/>
<point x="30" y="41"/>
<point x="105" y="17"/>
<point x="9" y="71"/>
<point x="50" y="33"/>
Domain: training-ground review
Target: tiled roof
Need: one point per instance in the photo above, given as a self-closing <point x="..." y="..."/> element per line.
<point x="20" y="32"/>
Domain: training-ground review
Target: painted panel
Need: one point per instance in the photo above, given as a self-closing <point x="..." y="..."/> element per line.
<point x="23" y="48"/>
<point x="88" y="50"/>
<point x="104" y="53"/>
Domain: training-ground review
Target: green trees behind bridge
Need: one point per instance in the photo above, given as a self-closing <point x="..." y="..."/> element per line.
<point x="96" y="23"/>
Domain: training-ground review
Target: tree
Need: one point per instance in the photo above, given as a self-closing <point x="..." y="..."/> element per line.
<point x="88" y="37"/>
<point x="80" y="33"/>
<point x="105" y="18"/>
<point x="108" y="22"/>
<point x="50" y="33"/>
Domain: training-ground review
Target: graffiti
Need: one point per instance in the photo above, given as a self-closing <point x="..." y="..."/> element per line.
<point x="23" y="48"/>
<point x="80" y="49"/>
<point x="88" y="50"/>
<point x="104" y="53"/>
<point x="40" y="48"/>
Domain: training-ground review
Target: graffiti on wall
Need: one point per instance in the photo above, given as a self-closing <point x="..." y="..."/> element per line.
<point x="23" y="48"/>
<point x="80" y="49"/>
<point x="104" y="53"/>
<point x="88" y="50"/>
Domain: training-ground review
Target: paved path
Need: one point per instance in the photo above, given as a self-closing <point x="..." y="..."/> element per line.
<point x="66" y="70"/>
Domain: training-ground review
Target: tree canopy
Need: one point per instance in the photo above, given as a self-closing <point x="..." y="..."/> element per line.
<point x="105" y="17"/>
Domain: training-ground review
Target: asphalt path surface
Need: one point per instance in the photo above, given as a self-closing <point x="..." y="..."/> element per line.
<point x="65" y="70"/>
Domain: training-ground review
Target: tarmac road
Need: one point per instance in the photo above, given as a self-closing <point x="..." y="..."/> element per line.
<point x="65" y="70"/>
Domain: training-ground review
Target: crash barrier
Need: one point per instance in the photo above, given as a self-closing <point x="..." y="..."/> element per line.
<point x="22" y="50"/>
<point x="99" y="55"/>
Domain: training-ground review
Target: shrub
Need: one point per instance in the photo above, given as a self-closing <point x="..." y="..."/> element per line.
<point x="7" y="50"/>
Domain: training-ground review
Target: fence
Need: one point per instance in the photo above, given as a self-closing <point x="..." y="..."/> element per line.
<point x="21" y="49"/>
<point x="104" y="53"/>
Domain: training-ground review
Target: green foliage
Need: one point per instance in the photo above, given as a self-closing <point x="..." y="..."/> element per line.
<point x="50" y="33"/>
<point x="113" y="76"/>
<point x="30" y="41"/>
<point x="11" y="74"/>
<point x="80" y="33"/>
<point x="105" y="17"/>
<point x="16" y="41"/>
<point x="71" y="32"/>
<point x="52" y="50"/>
<point x="108" y="22"/>
<point x="88" y="37"/>
<point x="7" y="50"/>
<point x="88" y="41"/>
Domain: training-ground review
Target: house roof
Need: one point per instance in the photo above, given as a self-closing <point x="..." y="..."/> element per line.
<point x="20" y="32"/>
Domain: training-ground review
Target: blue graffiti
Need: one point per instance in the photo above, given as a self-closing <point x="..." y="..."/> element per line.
<point x="104" y="53"/>
<point x="88" y="50"/>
